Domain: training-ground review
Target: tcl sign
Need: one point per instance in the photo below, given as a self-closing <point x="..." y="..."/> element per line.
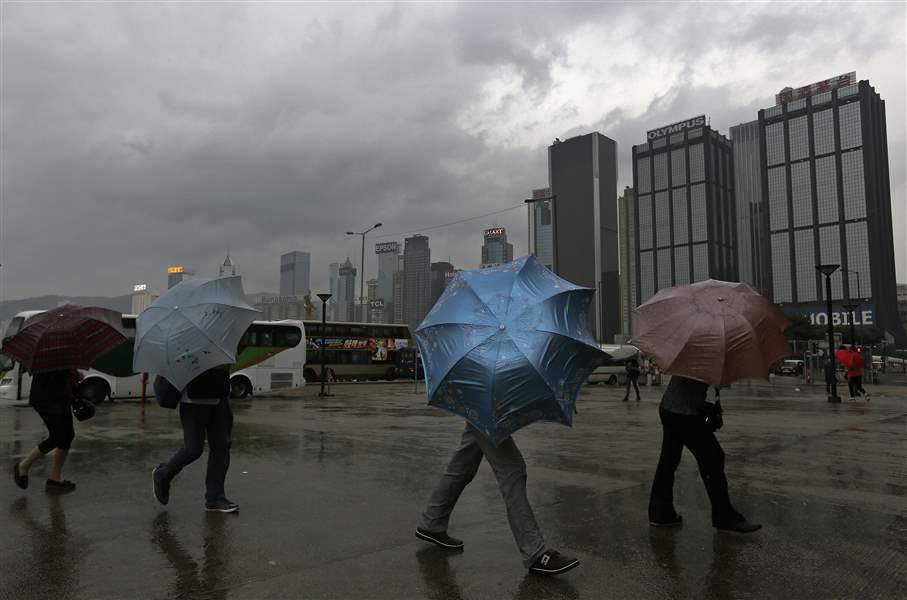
<point x="676" y="127"/>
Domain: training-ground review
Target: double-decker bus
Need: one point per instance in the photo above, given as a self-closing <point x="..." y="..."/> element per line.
<point x="356" y="351"/>
<point x="271" y="356"/>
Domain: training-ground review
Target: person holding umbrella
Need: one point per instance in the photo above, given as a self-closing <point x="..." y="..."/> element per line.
<point x="499" y="351"/>
<point x="708" y="334"/>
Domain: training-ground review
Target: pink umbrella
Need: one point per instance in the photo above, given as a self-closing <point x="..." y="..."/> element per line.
<point x="713" y="331"/>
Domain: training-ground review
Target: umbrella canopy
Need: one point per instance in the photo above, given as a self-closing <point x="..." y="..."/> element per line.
<point x="713" y="331"/>
<point x="194" y="326"/>
<point x="507" y="346"/>
<point x="66" y="337"/>
<point x="844" y="356"/>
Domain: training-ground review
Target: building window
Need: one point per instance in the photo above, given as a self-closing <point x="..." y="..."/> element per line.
<point x="824" y="132"/>
<point x="772" y="112"/>
<point x="678" y="167"/>
<point x="700" y="262"/>
<point x="830" y="254"/>
<point x="805" y="253"/>
<point x="642" y="172"/>
<point x="697" y="164"/>
<point x="854" y="185"/>
<point x="798" y="138"/>
<point x="660" y="143"/>
<point x="796" y="104"/>
<point x="822" y="98"/>
<point x="827" y="189"/>
<point x="646" y="276"/>
<point x="801" y="190"/>
<point x="695" y="133"/>
<point x="850" y="90"/>
<point x="677" y="138"/>
<point x="664" y="268"/>
<point x="699" y="223"/>
<point x="662" y="220"/>
<point x="774" y="143"/>
<point x="645" y="222"/>
<point x="851" y="129"/>
<point x="641" y="147"/>
<point x="781" y="267"/>
<point x="661" y="171"/>
<point x="777" y="198"/>
<point x="681" y="265"/>
<point x="857" y="249"/>
<point x="681" y="217"/>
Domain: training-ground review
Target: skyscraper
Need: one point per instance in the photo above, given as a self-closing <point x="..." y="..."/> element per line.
<point x="294" y="273"/>
<point x="416" y="286"/>
<point x="333" y="312"/>
<point x="752" y="239"/>
<point x="583" y="181"/>
<point x="441" y="274"/>
<point x="826" y="185"/>
<point x="626" y="213"/>
<point x="178" y="273"/>
<point x="388" y="264"/>
<point x="399" y="315"/>
<point x="686" y="226"/>
<point x="346" y="292"/>
<point x="227" y="269"/>
<point x="542" y="235"/>
<point x="496" y="250"/>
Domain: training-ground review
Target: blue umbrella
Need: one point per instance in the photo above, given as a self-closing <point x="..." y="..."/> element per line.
<point x="507" y="346"/>
<point x="194" y="326"/>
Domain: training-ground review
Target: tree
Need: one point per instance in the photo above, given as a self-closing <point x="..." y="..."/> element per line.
<point x="801" y="328"/>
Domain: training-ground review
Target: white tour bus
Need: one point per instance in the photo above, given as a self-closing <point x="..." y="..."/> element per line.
<point x="271" y="356"/>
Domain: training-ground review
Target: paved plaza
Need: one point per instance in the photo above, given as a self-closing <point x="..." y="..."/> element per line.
<point x="331" y="489"/>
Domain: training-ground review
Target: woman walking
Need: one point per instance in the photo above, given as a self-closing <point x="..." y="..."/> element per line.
<point x="632" y="368"/>
<point x="51" y="396"/>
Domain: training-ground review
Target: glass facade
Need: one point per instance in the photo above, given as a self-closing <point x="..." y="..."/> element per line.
<point x="798" y="137"/>
<point x="801" y="191"/>
<point x="777" y="198"/>
<point x="664" y="268"/>
<point x="830" y="253"/>
<point x="857" y="240"/>
<point x="678" y="167"/>
<point x="781" y="282"/>
<point x="824" y="132"/>
<point x="642" y="172"/>
<point x="697" y="164"/>
<point x="854" y="185"/>
<point x="646" y="276"/>
<point x="774" y="144"/>
<point x="827" y="189"/>
<point x="681" y="265"/>
<point x="851" y="128"/>
<point x="700" y="262"/>
<point x="806" y="265"/>
<point x="645" y="222"/>
<point x="662" y="220"/>
<point x="661" y="171"/>
<point x="681" y="217"/>
<point x="699" y="223"/>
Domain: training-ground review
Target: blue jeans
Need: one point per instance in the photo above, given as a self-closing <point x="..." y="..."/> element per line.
<point x="509" y="469"/>
<point x="198" y="420"/>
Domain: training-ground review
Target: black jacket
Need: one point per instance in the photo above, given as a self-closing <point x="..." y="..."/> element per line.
<point x="53" y="392"/>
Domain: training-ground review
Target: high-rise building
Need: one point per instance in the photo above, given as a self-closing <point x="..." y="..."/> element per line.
<point x="178" y="273"/>
<point x="542" y="234"/>
<point x="295" y="269"/>
<point x="388" y="264"/>
<point x="441" y="274"/>
<point x="752" y="242"/>
<point x="417" y="285"/>
<point x="626" y="222"/>
<point x="686" y="227"/>
<point x="399" y="289"/>
<point x="346" y="292"/>
<point x="374" y="304"/>
<point x="583" y="182"/>
<point x="333" y="312"/>
<point x="902" y="303"/>
<point x="825" y="183"/>
<point x="228" y="269"/>
<point x="142" y="297"/>
<point x="496" y="250"/>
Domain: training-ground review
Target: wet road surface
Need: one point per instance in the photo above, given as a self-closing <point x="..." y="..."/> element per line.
<point x="331" y="489"/>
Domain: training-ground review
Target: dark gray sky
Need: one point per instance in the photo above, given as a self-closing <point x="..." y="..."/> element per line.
<point x="136" y="136"/>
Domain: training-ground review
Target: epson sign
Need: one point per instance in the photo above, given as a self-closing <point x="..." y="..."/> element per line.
<point x="676" y="127"/>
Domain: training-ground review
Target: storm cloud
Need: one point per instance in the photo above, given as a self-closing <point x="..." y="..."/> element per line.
<point x="136" y="136"/>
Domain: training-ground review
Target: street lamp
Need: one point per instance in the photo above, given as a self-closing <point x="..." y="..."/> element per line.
<point x="362" y="267"/>
<point x="827" y="270"/>
<point x="324" y="322"/>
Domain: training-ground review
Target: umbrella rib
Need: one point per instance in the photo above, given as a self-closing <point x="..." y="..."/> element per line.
<point x="205" y="333"/>
<point x="459" y="360"/>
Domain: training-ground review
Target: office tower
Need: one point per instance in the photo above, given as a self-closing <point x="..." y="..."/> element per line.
<point x="228" y="269"/>
<point x="626" y="213"/>
<point x="496" y="250"/>
<point x="541" y="232"/>
<point x="441" y="274"/>
<point x="346" y="292"/>
<point x="752" y="239"/>
<point x="416" y="286"/>
<point x="295" y="268"/>
<point x="177" y="274"/>
<point x="388" y="264"/>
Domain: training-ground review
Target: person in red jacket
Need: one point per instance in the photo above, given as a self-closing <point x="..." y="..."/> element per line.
<point x="855" y="376"/>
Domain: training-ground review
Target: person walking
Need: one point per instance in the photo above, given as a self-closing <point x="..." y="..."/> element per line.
<point x="51" y="396"/>
<point x="510" y="470"/>
<point x="855" y="376"/>
<point x="688" y="419"/>
<point x="204" y="409"/>
<point x="632" y="368"/>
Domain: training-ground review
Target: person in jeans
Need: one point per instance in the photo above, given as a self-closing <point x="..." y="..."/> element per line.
<point x="510" y="470"/>
<point x="204" y="409"/>
<point x="632" y="368"/>
<point x="51" y="396"/>
<point x="683" y="412"/>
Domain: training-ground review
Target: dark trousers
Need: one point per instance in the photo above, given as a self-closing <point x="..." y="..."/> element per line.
<point x="60" y="432"/>
<point x="855" y="385"/>
<point x="217" y="422"/>
<point x="632" y="380"/>
<point x="692" y="432"/>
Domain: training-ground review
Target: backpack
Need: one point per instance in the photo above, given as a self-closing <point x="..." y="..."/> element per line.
<point x="213" y="383"/>
<point x="167" y="395"/>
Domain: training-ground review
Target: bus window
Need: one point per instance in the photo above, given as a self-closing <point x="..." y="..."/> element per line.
<point x="14" y="326"/>
<point x="288" y="337"/>
<point x="266" y="339"/>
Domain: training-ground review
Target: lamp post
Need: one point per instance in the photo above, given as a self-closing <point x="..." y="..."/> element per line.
<point x="324" y="321"/>
<point x="362" y="267"/>
<point x="827" y="270"/>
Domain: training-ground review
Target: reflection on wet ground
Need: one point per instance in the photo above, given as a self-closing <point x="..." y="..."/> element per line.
<point x="331" y="489"/>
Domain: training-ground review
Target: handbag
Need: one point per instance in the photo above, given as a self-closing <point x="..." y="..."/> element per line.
<point x="714" y="414"/>
<point x="167" y="395"/>
<point x="82" y="409"/>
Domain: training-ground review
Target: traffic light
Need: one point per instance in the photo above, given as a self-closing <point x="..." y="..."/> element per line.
<point x="859" y="349"/>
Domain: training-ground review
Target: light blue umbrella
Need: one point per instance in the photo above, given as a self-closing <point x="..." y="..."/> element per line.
<point x="507" y="346"/>
<point x="194" y="326"/>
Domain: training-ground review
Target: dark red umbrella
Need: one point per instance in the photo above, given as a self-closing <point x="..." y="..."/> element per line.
<point x="66" y="337"/>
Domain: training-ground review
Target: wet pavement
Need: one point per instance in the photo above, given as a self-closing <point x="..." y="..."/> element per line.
<point x="331" y="489"/>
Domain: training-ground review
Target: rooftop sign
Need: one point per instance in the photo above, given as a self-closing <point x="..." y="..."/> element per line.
<point x="175" y="270"/>
<point x="676" y="127"/>
<point x="496" y="231"/>
<point x="826" y="85"/>
<point x="387" y="248"/>
<point x="140" y="287"/>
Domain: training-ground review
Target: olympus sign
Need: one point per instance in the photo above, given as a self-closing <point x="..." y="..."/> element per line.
<point x="676" y="127"/>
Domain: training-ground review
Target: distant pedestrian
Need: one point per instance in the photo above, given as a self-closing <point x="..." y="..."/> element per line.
<point x="204" y="409"/>
<point x="687" y="419"/>
<point x="632" y="368"/>
<point x="510" y="470"/>
<point x="52" y="394"/>
<point x="855" y="376"/>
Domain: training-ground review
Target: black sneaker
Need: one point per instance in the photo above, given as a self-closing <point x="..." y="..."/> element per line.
<point x="553" y="563"/>
<point x="739" y="526"/>
<point x="674" y="521"/>
<point x="440" y="539"/>
<point x="60" y="487"/>
<point x="160" y="487"/>
<point x="223" y="505"/>
<point x="18" y="478"/>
